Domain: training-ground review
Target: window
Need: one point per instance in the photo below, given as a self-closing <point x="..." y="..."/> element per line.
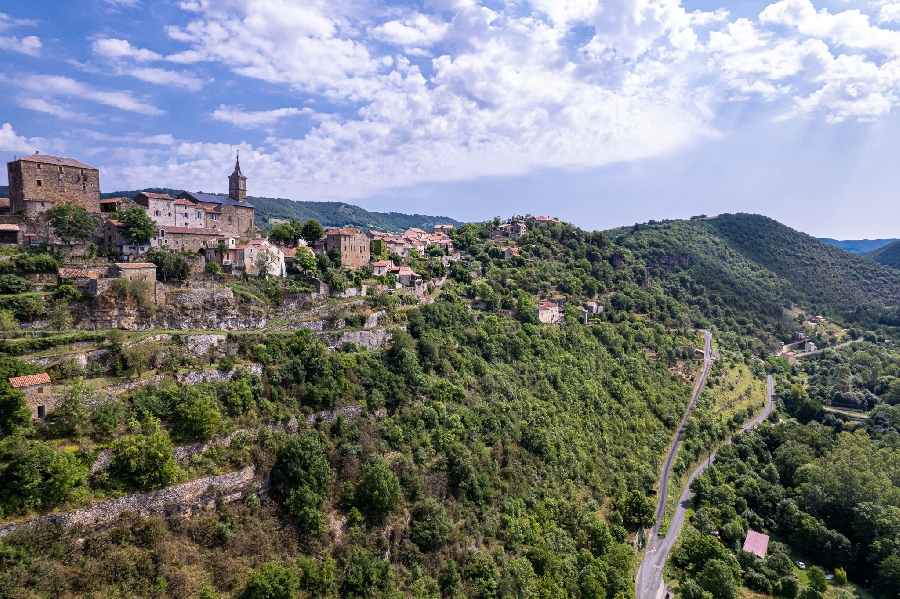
<point x="186" y="215"/>
<point x="60" y="168"/>
<point x="199" y="215"/>
<point x="39" y="184"/>
<point x="157" y="213"/>
<point x="41" y="411"/>
<point x="39" y="166"/>
<point x="229" y="220"/>
<point x="41" y="390"/>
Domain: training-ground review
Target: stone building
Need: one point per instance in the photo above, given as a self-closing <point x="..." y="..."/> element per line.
<point x="38" y="393"/>
<point x="135" y="270"/>
<point x="189" y="213"/>
<point x="187" y="239"/>
<point x="39" y="182"/>
<point x="231" y="215"/>
<point x="353" y="243"/>
<point x="160" y="207"/>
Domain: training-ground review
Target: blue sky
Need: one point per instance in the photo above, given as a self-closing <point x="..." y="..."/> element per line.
<point x="604" y="113"/>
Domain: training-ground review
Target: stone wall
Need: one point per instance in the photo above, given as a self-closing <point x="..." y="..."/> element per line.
<point x="181" y="499"/>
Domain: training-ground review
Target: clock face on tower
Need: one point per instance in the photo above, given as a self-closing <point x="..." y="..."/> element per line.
<point x="233" y="185"/>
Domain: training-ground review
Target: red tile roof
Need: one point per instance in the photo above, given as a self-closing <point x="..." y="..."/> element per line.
<point x="184" y="202"/>
<point x="10" y="228"/>
<point x="383" y="263"/>
<point x="547" y="306"/>
<point x="343" y="231"/>
<point x="29" y="380"/>
<point x="113" y="200"/>
<point x="71" y="273"/>
<point x="56" y="160"/>
<point x="114" y="223"/>
<point x="135" y="265"/>
<point x="756" y="543"/>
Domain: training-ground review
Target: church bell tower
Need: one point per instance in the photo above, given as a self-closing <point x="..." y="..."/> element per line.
<point x="237" y="183"/>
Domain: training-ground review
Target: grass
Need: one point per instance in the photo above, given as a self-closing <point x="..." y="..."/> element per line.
<point x="734" y="390"/>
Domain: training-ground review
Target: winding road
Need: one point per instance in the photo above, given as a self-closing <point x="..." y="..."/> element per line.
<point x="650" y="575"/>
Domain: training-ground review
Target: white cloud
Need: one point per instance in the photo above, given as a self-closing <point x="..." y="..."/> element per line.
<point x="889" y="13"/>
<point x="253" y="119"/>
<point x="30" y="45"/>
<point x="117" y="48"/>
<point x="7" y="22"/>
<point x="415" y="30"/>
<point x="55" y="85"/>
<point x="165" y="77"/>
<point x="57" y="110"/>
<point x="11" y="142"/>
<point x="128" y="3"/>
<point x="163" y="139"/>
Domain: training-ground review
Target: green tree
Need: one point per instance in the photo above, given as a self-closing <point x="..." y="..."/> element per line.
<point x="481" y="572"/>
<point x="8" y="322"/>
<point x="639" y="509"/>
<point x="378" y="489"/>
<point x="840" y="576"/>
<point x="888" y="579"/>
<point x="312" y="231"/>
<point x="365" y="574"/>
<point x="71" y="223"/>
<point x="60" y="315"/>
<point x="239" y="397"/>
<point x="145" y="459"/>
<point x="213" y="268"/>
<point x="38" y="478"/>
<point x="272" y="581"/>
<point x="430" y="525"/>
<point x="137" y="225"/>
<point x="302" y="474"/>
<point x="197" y="414"/>
<point x="305" y="258"/>
<point x="817" y="581"/>
<point x="717" y="577"/>
<point x="73" y="414"/>
<point x="169" y="265"/>
<point x="287" y="233"/>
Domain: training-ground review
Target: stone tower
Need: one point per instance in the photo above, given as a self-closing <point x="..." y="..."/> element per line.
<point x="237" y="183"/>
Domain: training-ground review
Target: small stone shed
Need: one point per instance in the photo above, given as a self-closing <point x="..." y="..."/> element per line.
<point x="38" y="393"/>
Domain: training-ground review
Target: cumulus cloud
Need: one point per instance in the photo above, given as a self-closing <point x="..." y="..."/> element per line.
<point x="11" y="142"/>
<point x="505" y="88"/>
<point x="30" y="45"/>
<point x="241" y="118"/>
<point x="56" y="86"/>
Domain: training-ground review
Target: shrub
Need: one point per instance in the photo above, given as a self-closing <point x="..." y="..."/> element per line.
<point x="378" y="489"/>
<point x="272" y="581"/>
<point x="39" y="478"/>
<point x="12" y="284"/>
<point x="302" y="474"/>
<point x="145" y="460"/>
<point x="213" y="268"/>
<point x="430" y="525"/>
<point x="197" y="414"/>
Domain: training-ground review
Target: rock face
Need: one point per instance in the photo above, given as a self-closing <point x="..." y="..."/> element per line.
<point x="215" y="376"/>
<point x="369" y="339"/>
<point x="181" y="499"/>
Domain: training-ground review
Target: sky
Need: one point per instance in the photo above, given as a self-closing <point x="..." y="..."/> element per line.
<point x="602" y="113"/>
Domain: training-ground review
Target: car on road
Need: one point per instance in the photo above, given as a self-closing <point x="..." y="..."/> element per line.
<point x="801" y="565"/>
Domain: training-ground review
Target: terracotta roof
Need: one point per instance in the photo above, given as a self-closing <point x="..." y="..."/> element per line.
<point x="71" y="273"/>
<point x="10" y="228"/>
<point x="343" y="231"/>
<point x="4" y="202"/>
<point x="383" y="263"/>
<point x="56" y="160"/>
<point x="29" y="380"/>
<point x="30" y="235"/>
<point x="155" y="196"/>
<point x="127" y="265"/>
<point x="112" y="200"/>
<point x="401" y="270"/>
<point x="184" y="202"/>
<point x="415" y="230"/>
<point x="191" y="230"/>
<point x="756" y="543"/>
<point x="547" y="306"/>
<point x="114" y="223"/>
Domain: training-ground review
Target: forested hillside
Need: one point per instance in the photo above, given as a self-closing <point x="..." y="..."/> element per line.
<point x="888" y="255"/>
<point x="485" y="454"/>
<point x="757" y="266"/>
<point x="271" y="211"/>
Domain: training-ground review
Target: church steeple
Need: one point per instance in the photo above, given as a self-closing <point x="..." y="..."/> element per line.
<point x="237" y="183"/>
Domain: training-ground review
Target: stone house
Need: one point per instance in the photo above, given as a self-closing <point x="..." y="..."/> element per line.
<point x="547" y="312"/>
<point x="189" y="214"/>
<point x="594" y="308"/>
<point x="517" y="229"/>
<point x="414" y="233"/>
<point x="115" y="204"/>
<point x="381" y="267"/>
<point x="352" y="242"/>
<point x="511" y="254"/>
<point x="111" y="233"/>
<point x="541" y="219"/>
<point x="159" y="206"/>
<point x="231" y="215"/>
<point x="442" y="240"/>
<point x="39" y="182"/>
<point x="442" y="228"/>
<point x="405" y="275"/>
<point x="250" y="256"/>
<point x="187" y="239"/>
<point x="38" y="393"/>
<point x="132" y="270"/>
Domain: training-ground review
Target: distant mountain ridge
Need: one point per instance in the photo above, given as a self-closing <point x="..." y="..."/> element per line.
<point x="271" y="211"/>
<point x="858" y="246"/>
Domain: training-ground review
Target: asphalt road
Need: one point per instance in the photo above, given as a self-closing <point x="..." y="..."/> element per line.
<point x="650" y="575"/>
